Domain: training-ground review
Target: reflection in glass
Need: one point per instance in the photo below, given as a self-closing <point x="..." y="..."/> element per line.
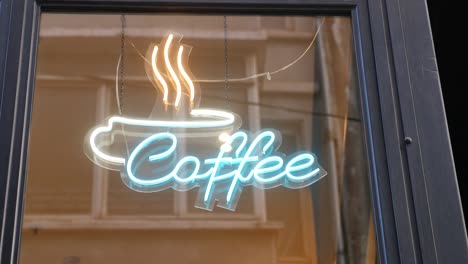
<point x="78" y="212"/>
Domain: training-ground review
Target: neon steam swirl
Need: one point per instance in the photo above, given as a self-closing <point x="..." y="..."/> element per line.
<point x="171" y="74"/>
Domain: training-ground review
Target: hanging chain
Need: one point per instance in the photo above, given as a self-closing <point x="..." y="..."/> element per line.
<point x="123" y="21"/>
<point x="226" y="65"/>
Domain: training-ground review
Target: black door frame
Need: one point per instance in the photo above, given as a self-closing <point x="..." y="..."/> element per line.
<point x="418" y="215"/>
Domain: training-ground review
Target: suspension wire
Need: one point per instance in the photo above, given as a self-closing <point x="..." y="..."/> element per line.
<point x="117" y="86"/>
<point x="121" y="66"/>
<point x="288" y="109"/>
<point x="226" y="80"/>
<point x="227" y="94"/>
<point x="267" y="74"/>
<point x="120" y="72"/>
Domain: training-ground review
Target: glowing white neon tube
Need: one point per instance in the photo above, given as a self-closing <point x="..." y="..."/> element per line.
<point x="171" y="70"/>
<point x="213" y="119"/>
<point x="158" y="75"/>
<point x="184" y="74"/>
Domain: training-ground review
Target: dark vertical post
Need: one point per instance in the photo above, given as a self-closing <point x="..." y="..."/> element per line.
<point x="18" y="40"/>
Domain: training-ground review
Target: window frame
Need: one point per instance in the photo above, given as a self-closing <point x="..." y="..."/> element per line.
<point x="415" y="199"/>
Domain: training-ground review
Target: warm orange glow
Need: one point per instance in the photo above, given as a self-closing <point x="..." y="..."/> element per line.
<point x="158" y="75"/>
<point x="171" y="71"/>
<point x="185" y="75"/>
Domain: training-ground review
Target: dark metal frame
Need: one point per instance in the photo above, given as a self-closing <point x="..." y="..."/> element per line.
<point x="418" y="215"/>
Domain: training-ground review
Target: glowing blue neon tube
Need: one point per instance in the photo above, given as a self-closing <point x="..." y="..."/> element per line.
<point x="252" y="163"/>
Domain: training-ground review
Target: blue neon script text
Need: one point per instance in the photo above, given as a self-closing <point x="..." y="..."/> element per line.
<point x="241" y="161"/>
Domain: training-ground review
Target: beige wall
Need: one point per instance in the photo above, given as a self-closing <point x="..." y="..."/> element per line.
<point x="144" y="247"/>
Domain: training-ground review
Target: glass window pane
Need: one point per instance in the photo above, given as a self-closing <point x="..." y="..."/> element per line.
<point x="293" y="76"/>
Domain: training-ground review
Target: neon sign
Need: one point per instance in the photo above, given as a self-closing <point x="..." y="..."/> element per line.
<point x="156" y="161"/>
